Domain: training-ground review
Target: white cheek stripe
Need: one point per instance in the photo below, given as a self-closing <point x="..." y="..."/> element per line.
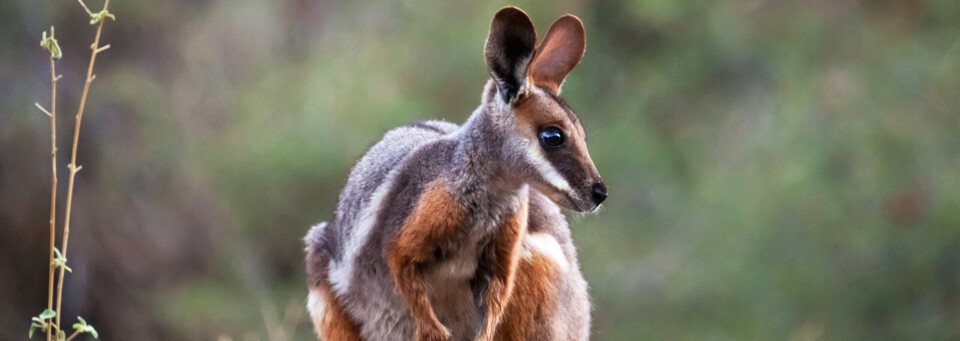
<point x="546" y="169"/>
<point x="549" y="173"/>
<point x="341" y="272"/>
<point x="547" y="246"/>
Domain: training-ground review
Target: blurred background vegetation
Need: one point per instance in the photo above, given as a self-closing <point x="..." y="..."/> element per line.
<point x="779" y="170"/>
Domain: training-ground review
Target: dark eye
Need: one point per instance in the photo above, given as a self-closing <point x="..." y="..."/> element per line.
<point x="551" y="137"/>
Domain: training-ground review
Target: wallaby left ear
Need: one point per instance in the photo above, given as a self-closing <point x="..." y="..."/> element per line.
<point x="560" y="51"/>
<point x="508" y="50"/>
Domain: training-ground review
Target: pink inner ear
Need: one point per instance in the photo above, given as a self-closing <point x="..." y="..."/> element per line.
<point x="560" y="51"/>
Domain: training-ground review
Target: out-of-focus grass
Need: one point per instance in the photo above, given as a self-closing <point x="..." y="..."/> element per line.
<point x="778" y="170"/>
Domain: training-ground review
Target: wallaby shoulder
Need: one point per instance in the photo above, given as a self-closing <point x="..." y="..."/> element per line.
<point x="389" y="153"/>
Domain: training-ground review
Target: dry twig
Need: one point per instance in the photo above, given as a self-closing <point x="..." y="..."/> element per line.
<point x="54" y="48"/>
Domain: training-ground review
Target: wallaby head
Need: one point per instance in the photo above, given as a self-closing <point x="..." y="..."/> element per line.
<point x="542" y="140"/>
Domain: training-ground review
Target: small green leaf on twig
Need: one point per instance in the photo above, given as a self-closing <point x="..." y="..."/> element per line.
<point x="47" y="314"/>
<point x="50" y="44"/>
<point x="83" y="327"/>
<point x="41" y="321"/>
<point x="60" y="261"/>
<point x="94" y="19"/>
<point x="34" y="326"/>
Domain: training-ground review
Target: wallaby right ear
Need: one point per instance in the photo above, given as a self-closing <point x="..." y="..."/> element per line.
<point x="508" y="50"/>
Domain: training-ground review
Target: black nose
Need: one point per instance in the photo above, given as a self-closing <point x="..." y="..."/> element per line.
<point x="599" y="193"/>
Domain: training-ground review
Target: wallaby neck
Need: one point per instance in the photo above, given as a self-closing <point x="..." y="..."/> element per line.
<point x="480" y="172"/>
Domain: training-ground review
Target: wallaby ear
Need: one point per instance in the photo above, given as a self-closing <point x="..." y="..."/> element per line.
<point x="509" y="49"/>
<point x="560" y="51"/>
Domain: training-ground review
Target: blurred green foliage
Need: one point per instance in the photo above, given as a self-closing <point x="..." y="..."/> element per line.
<point x="777" y="169"/>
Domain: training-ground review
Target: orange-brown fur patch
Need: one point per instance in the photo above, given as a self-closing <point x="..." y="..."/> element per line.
<point x="533" y="295"/>
<point x="334" y="324"/>
<point x="436" y="218"/>
<point x="504" y="256"/>
<point x="535" y="110"/>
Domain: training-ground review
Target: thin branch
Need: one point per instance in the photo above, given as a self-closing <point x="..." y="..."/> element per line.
<point x="73" y="158"/>
<point x="87" y="9"/>
<point x="75" y="333"/>
<point x="53" y="188"/>
<point x="42" y="109"/>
